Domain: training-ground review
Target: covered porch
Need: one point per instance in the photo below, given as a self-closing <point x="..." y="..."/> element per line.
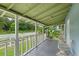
<point x="62" y="15"/>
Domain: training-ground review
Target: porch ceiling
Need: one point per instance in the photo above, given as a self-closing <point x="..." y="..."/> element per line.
<point x="45" y="13"/>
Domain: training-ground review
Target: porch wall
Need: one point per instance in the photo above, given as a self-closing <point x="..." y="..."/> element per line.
<point x="72" y="29"/>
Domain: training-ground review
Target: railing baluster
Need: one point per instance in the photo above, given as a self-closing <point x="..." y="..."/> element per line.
<point x="26" y="43"/>
<point x="31" y="40"/>
<point x="29" y="43"/>
<point x="43" y="36"/>
<point x="27" y="47"/>
<point x="10" y="42"/>
<point x="5" y="48"/>
<point x="22" y="47"/>
<point x="38" y="39"/>
<point x="34" y="41"/>
<point x="14" y="48"/>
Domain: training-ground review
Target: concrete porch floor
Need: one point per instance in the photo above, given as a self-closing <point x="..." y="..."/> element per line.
<point x="47" y="48"/>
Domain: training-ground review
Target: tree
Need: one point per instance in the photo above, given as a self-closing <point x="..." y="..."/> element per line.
<point x="23" y="26"/>
<point x="53" y="32"/>
<point x="12" y="27"/>
<point x="9" y="25"/>
<point x="5" y="23"/>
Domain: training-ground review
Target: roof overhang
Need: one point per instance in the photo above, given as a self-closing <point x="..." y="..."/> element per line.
<point x="45" y="13"/>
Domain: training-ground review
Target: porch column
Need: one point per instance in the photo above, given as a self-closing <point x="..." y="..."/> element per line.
<point x="43" y="32"/>
<point x="36" y="32"/>
<point x="16" y="36"/>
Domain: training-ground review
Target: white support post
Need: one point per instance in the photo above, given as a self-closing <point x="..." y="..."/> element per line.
<point x="16" y="36"/>
<point x="36" y="31"/>
<point x="43" y="32"/>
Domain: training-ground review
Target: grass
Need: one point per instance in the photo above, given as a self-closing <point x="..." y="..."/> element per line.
<point x="10" y="50"/>
<point x="2" y="52"/>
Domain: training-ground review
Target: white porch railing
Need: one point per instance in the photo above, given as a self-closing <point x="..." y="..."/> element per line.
<point x="26" y="43"/>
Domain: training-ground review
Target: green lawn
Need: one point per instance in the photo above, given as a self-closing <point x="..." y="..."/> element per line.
<point x="10" y="50"/>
